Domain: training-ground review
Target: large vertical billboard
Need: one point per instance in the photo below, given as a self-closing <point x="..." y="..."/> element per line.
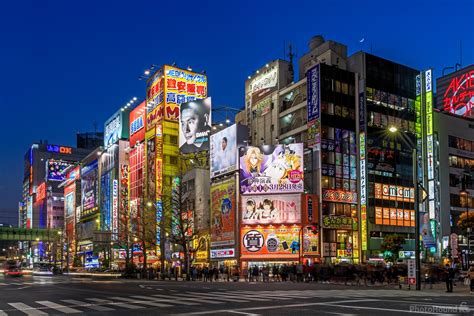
<point x="116" y="127"/>
<point x="137" y="124"/>
<point x="224" y="146"/>
<point x="195" y="126"/>
<point x="223" y="208"/>
<point x="154" y="98"/>
<point x="455" y="92"/>
<point x="271" y="169"/>
<point x="90" y="188"/>
<point x="168" y="88"/>
<point x="313" y="84"/>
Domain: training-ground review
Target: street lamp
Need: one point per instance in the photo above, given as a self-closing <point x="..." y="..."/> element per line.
<point x="393" y="130"/>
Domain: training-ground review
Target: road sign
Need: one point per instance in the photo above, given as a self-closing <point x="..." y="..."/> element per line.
<point x="411" y="271"/>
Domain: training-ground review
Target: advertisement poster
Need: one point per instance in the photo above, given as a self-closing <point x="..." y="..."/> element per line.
<point x="69" y="201"/>
<point x="224" y="151"/>
<point x="57" y="169"/>
<point x="310" y="243"/>
<point x="456" y="92"/>
<point x="181" y="86"/>
<point x="116" y="127"/>
<point x="195" y="126"/>
<point x="264" y="242"/>
<point x="137" y="124"/>
<point x="271" y="169"/>
<point x="106" y="199"/>
<point x="263" y="84"/>
<point x="89" y="185"/>
<point x="271" y="209"/>
<point x="223" y="213"/>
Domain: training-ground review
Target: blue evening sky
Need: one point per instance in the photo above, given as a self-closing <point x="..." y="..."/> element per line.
<point x="66" y="64"/>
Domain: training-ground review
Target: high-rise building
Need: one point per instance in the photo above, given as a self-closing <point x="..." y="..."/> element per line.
<point x="89" y="140"/>
<point x="46" y="166"/>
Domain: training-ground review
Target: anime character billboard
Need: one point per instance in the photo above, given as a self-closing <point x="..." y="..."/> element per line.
<point x="223" y="213"/>
<point x="271" y="169"/>
<point x="271" y="209"/>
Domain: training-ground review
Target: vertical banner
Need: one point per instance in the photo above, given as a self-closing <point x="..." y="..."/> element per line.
<point x="115" y="210"/>
<point x="362" y="170"/>
<point x="313" y="85"/>
<point x="123" y="192"/>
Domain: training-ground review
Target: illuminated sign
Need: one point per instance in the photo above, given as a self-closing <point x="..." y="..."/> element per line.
<point x="456" y="92"/>
<point x="223" y="208"/>
<point x="339" y="196"/>
<point x="271" y="169"/>
<point x="271" y="209"/>
<point x="394" y="192"/>
<point x="263" y="84"/>
<point x="362" y="168"/>
<point x="339" y="222"/>
<point x="115" y="210"/>
<point x="222" y="253"/>
<point x="59" y="149"/>
<point x="394" y="217"/>
<point x="56" y="169"/>
<point x="195" y="126"/>
<point x="267" y="242"/>
<point x="137" y="124"/>
<point x="41" y="192"/>
<point x="314" y="106"/>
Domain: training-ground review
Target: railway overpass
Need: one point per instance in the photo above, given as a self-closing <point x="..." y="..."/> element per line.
<point x="23" y="234"/>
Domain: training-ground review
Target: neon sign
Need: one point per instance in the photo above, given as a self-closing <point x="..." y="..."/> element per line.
<point x="459" y="95"/>
<point x="59" y="149"/>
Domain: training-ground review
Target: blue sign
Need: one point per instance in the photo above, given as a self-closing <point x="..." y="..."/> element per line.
<point x="136" y="125"/>
<point x="313" y="85"/>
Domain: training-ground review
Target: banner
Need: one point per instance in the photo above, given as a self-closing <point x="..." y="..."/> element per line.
<point x="223" y="196"/>
<point x="264" y="242"/>
<point x="224" y="151"/>
<point x="271" y="209"/>
<point x="271" y="169"/>
<point x="195" y="126"/>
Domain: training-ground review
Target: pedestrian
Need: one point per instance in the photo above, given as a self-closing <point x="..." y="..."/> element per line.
<point x="245" y="272"/>
<point x="205" y="273"/>
<point x="449" y="278"/>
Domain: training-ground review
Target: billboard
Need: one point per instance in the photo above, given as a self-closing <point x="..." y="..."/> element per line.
<point x="69" y="204"/>
<point x="313" y="84"/>
<point x="40" y="192"/>
<point x="195" y="126"/>
<point x="155" y="88"/>
<point x="271" y="169"/>
<point x="271" y="209"/>
<point x="89" y="188"/>
<point x="223" y="195"/>
<point x="56" y="169"/>
<point x="265" y="242"/>
<point x="224" y="146"/>
<point x="116" y="127"/>
<point x="455" y="92"/>
<point x="181" y="86"/>
<point x="137" y="124"/>
<point x="263" y="84"/>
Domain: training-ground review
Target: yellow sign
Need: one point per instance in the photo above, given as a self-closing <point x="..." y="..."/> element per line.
<point x="181" y="86"/>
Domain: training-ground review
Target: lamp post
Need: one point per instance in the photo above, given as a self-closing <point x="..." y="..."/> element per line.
<point x="60" y="234"/>
<point x="394" y="130"/>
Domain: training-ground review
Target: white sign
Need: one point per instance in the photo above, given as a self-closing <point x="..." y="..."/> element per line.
<point x="112" y="128"/>
<point x="430" y="152"/>
<point x="267" y="80"/>
<point x="428" y="83"/>
<point x="411" y="271"/>
<point x="115" y="210"/>
<point x="222" y="253"/>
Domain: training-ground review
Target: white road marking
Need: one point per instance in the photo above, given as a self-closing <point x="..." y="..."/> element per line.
<point x="163" y="300"/>
<point x="59" y="307"/>
<point x="135" y="301"/>
<point x="28" y="310"/>
<point x="274" y="307"/>
<point x="108" y="302"/>
<point x="218" y="297"/>
<point x="250" y="297"/>
<point x="88" y="305"/>
<point x="184" y="298"/>
<point x="2" y="313"/>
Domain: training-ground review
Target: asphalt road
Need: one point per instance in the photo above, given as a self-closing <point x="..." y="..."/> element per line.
<point x="64" y="295"/>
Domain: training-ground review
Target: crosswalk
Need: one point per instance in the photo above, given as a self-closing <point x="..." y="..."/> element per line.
<point x="188" y="298"/>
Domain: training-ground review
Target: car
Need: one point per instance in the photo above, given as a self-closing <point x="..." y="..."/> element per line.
<point x="12" y="268"/>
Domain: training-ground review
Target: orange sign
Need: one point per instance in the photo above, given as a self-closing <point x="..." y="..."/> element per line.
<point x="41" y="192"/>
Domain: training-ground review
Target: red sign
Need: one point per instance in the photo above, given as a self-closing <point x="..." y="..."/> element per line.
<point x="41" y="192"/>
<point x="339" y="196"/>
<point x="412" y="281"/>
<point x="137" y="124"/>
<point x="457" y="92"/>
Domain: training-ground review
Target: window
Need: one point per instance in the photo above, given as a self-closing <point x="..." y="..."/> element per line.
<point x="173" y="139"/>
<point x="173" y="160"/>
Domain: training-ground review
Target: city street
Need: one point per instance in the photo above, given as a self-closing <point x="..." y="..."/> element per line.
<point x="64" y="295"/>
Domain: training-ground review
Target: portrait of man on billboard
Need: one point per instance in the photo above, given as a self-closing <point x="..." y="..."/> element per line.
<point x="195" y="126"/>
